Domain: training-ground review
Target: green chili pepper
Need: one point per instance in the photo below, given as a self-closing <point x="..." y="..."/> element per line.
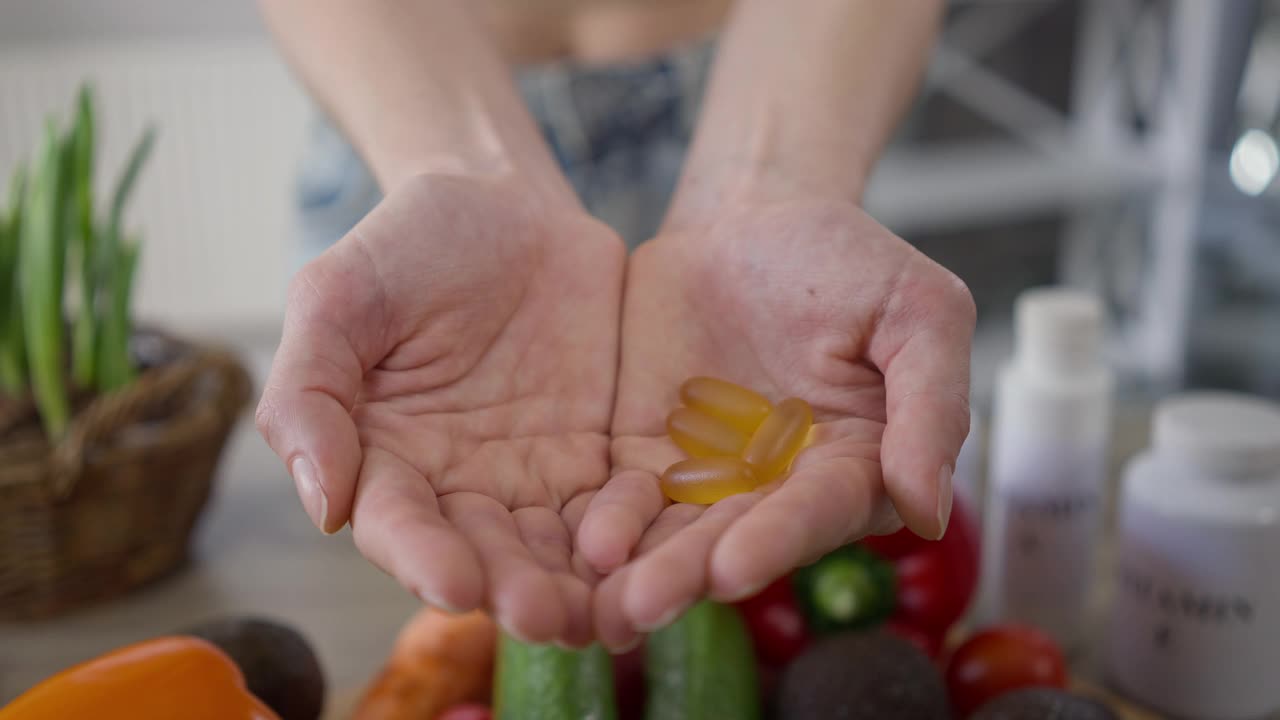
<point x="848" y="588"/>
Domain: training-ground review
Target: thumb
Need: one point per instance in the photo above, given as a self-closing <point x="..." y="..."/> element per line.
<point x="927" y="402"/>
<point x="305" y="410"/>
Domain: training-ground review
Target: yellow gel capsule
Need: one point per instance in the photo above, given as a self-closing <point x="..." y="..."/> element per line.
<point x="701" y="435"/>
<point x="779" y="438"/>
<point x="733" y="404"/>
<point x="702" y="481"/>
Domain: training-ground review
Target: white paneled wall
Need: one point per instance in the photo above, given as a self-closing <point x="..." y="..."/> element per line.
<point x="214" y="204"/>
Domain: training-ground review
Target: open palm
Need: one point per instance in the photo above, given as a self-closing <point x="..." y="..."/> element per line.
<point x="800" y="298"/>
<point x="445" y="383"/>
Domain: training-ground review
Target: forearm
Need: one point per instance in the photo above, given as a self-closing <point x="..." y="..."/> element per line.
<point x="417" y="87"/>
<point x="804" y="95"/>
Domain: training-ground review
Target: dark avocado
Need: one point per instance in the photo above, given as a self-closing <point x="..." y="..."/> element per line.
<point x="279" y="665"/>
<point x="862" y="675"/>
<point x="1043" y="704"/>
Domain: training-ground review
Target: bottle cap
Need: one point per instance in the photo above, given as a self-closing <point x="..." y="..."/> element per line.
<point x="1059" y="330"/>
<point x="1233" y="434"/>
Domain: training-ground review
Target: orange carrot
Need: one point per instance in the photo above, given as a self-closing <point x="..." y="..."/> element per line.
<point x="438" y="660"/>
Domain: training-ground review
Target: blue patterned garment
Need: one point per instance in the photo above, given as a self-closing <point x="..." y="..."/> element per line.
<point x="619" y="133"/>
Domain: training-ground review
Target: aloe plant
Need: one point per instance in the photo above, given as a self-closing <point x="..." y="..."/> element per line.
<point x="53" y="243"/>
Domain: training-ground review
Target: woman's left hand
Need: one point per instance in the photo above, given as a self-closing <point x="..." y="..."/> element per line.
<point x="789" y="296"/>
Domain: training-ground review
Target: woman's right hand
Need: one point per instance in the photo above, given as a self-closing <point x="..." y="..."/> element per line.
<point x="445" y="382"/>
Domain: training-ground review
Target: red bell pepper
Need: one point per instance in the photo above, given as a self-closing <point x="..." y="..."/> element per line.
<point x="935" y="580"/>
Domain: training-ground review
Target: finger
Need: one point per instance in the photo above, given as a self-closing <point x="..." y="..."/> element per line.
<point x="575" y="509"/>
<point x="397" y="525"/>
<point x="577" y="602"/>
<point x="824" y="505"/>
<point x="572" y="513"/>
<point x="545" y="535"/>
<point x="672" y="520"/>
<point x="305" y="410"/>
<point x="927" y="403"/>
<point x="617" y="517"/>
<point x="523" y="596"/>
<point x="543" y="532"/>
<point x="665" y="581"/>
<point x="891" y="524"/>
<point x="612" y="628"/>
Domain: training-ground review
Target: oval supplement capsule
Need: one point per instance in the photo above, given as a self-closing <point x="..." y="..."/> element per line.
<point x="702" y="481"/>
<point x="701" y="435"/>
<point x="779" y="438"/>
<point x="742" y="408"/>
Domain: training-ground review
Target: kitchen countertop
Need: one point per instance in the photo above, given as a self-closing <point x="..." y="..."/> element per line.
<point x="255" y="552"/>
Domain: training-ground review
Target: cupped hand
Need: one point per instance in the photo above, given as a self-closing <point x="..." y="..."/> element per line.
<point x="790" y="297"/>
<point x="445" y="383"/>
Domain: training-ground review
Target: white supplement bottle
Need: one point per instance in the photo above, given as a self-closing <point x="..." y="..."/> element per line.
<point x="1048" y="463"/>
<point x="1195" y="618"/>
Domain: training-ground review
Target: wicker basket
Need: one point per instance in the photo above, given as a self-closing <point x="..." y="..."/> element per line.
<point x="113" y="505"/>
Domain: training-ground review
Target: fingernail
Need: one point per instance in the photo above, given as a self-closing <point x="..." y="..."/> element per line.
<point x="309" y="490"/>
<point x="429" y="599"/>
<point x="505" y="622"/>
<point x="627" y="646"/>
<point x="571" y="647"/>
<point x="944" y="499"/>
<point x="664" y="620"/>
<point x="890" y="525"/>
<point x="744" y="593"/>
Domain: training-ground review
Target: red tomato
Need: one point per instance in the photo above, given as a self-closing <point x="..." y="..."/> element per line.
<point x="469" y="711"/>
<point x="999" y="659"/>
<point x="926" y="594"/>
<point x="930" y="643"/>
<point x="961" y="545"/>
<point x="780" y="589"/>
<point x="776" y="624"/>
<point x="898" y="545"/>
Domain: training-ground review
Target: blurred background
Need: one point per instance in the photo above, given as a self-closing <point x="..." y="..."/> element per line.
<point x="1129" y="146"/>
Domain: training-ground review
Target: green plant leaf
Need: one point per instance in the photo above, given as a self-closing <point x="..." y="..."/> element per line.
<point x="115" y="363"/>
<point x="9" y="229"/>
<point x="13" y="362"/>
<point x="41" y="257"/>
<point x="124" y="187"/>
<point x="83" y="344"/>
<point x="117" y="265"/>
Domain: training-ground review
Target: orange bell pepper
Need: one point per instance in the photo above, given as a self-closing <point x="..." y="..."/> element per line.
<point x="158" y="679"/>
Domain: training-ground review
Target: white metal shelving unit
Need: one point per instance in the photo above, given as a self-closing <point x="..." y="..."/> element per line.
<point x="1084" y="162"/>
<point x="154" y="58"/>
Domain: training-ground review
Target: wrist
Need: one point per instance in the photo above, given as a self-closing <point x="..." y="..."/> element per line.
<point x="709" y="190"/>
<point x="479" y="145"/>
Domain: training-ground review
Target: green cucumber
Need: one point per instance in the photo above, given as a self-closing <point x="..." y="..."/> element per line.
<point x="544" y="682"/>
<point x="702" y="667"/>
